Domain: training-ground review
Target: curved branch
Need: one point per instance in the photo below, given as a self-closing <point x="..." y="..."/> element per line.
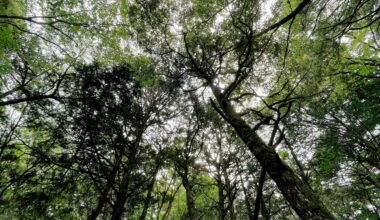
<point x="290" y="16"/>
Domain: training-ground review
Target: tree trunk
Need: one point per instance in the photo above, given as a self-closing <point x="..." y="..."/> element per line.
<point x="259" y="195"/>
<point x="118" y="209"/>
<point x="189" y="199"/>
<point x="95" y="212"/>
<point x="149" y="195"/>
<point x="221" y="209"/>
<point x="147" y="201"/>
<point x="246" y="199"/>
<point x="221" y="196"/>
<point x="121" y="198"/>
<point x="232" y="209"/>
<point x="264" y="211"/>
<point x="171" y="199"/>
<point x="230" y="194"/>
<point x="300" y="196"/>
<point x="101" y="202"/>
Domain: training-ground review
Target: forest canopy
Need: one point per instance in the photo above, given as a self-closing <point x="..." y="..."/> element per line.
<point x="190" y="109"/>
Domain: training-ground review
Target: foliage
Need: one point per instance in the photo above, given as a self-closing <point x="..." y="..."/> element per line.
<point x="189" y="109"/>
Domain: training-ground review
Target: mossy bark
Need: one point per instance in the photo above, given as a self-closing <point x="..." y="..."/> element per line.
<point x="298" y="193"/>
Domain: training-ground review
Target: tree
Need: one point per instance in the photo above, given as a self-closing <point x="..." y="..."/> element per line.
<point x="211" y="59"/>
<point x="189" y="109"/>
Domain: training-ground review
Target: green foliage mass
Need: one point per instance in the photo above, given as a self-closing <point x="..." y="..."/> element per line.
<point x="182" y="109"/>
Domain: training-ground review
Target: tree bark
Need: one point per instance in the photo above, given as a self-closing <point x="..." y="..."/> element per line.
<point x="230" y="194"/>
<point x="147" y="201"/>
<point x="259" y="195"/>
<point x="103" y="195"/>
<point x="101" y="202"/>
<point x="300" y="196"/>
<point x="171" y="199"/>
<point x="221" y="197"/>
<point x="149" y="194"/>
<point x="232" y="209"/>
<point x="264" y="211"/>
<point x="189" y="199"/>
<point x="121" y="198"/>
<point x="246" y="199"/>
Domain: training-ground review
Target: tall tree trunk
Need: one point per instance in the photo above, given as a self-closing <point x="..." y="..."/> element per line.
<point x="246" y="199"/>
<point x="230" y="193"/>
<point x="221" y="196"/>
<point x="147" y="200"/>
<point x="232" y="209"/>
<point x="264" y="211"/>
<point x="102" y="197"/>
<point x="171" y="199"/>
<point x="101" y="202"/>
<point x="149" y="196"/>
<point x="300" y="196"/>
<point x="121" y="198"/>
<point x="221" y="209"/>
<point x="189" y="199"/>
<point x="259" y="195"/>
